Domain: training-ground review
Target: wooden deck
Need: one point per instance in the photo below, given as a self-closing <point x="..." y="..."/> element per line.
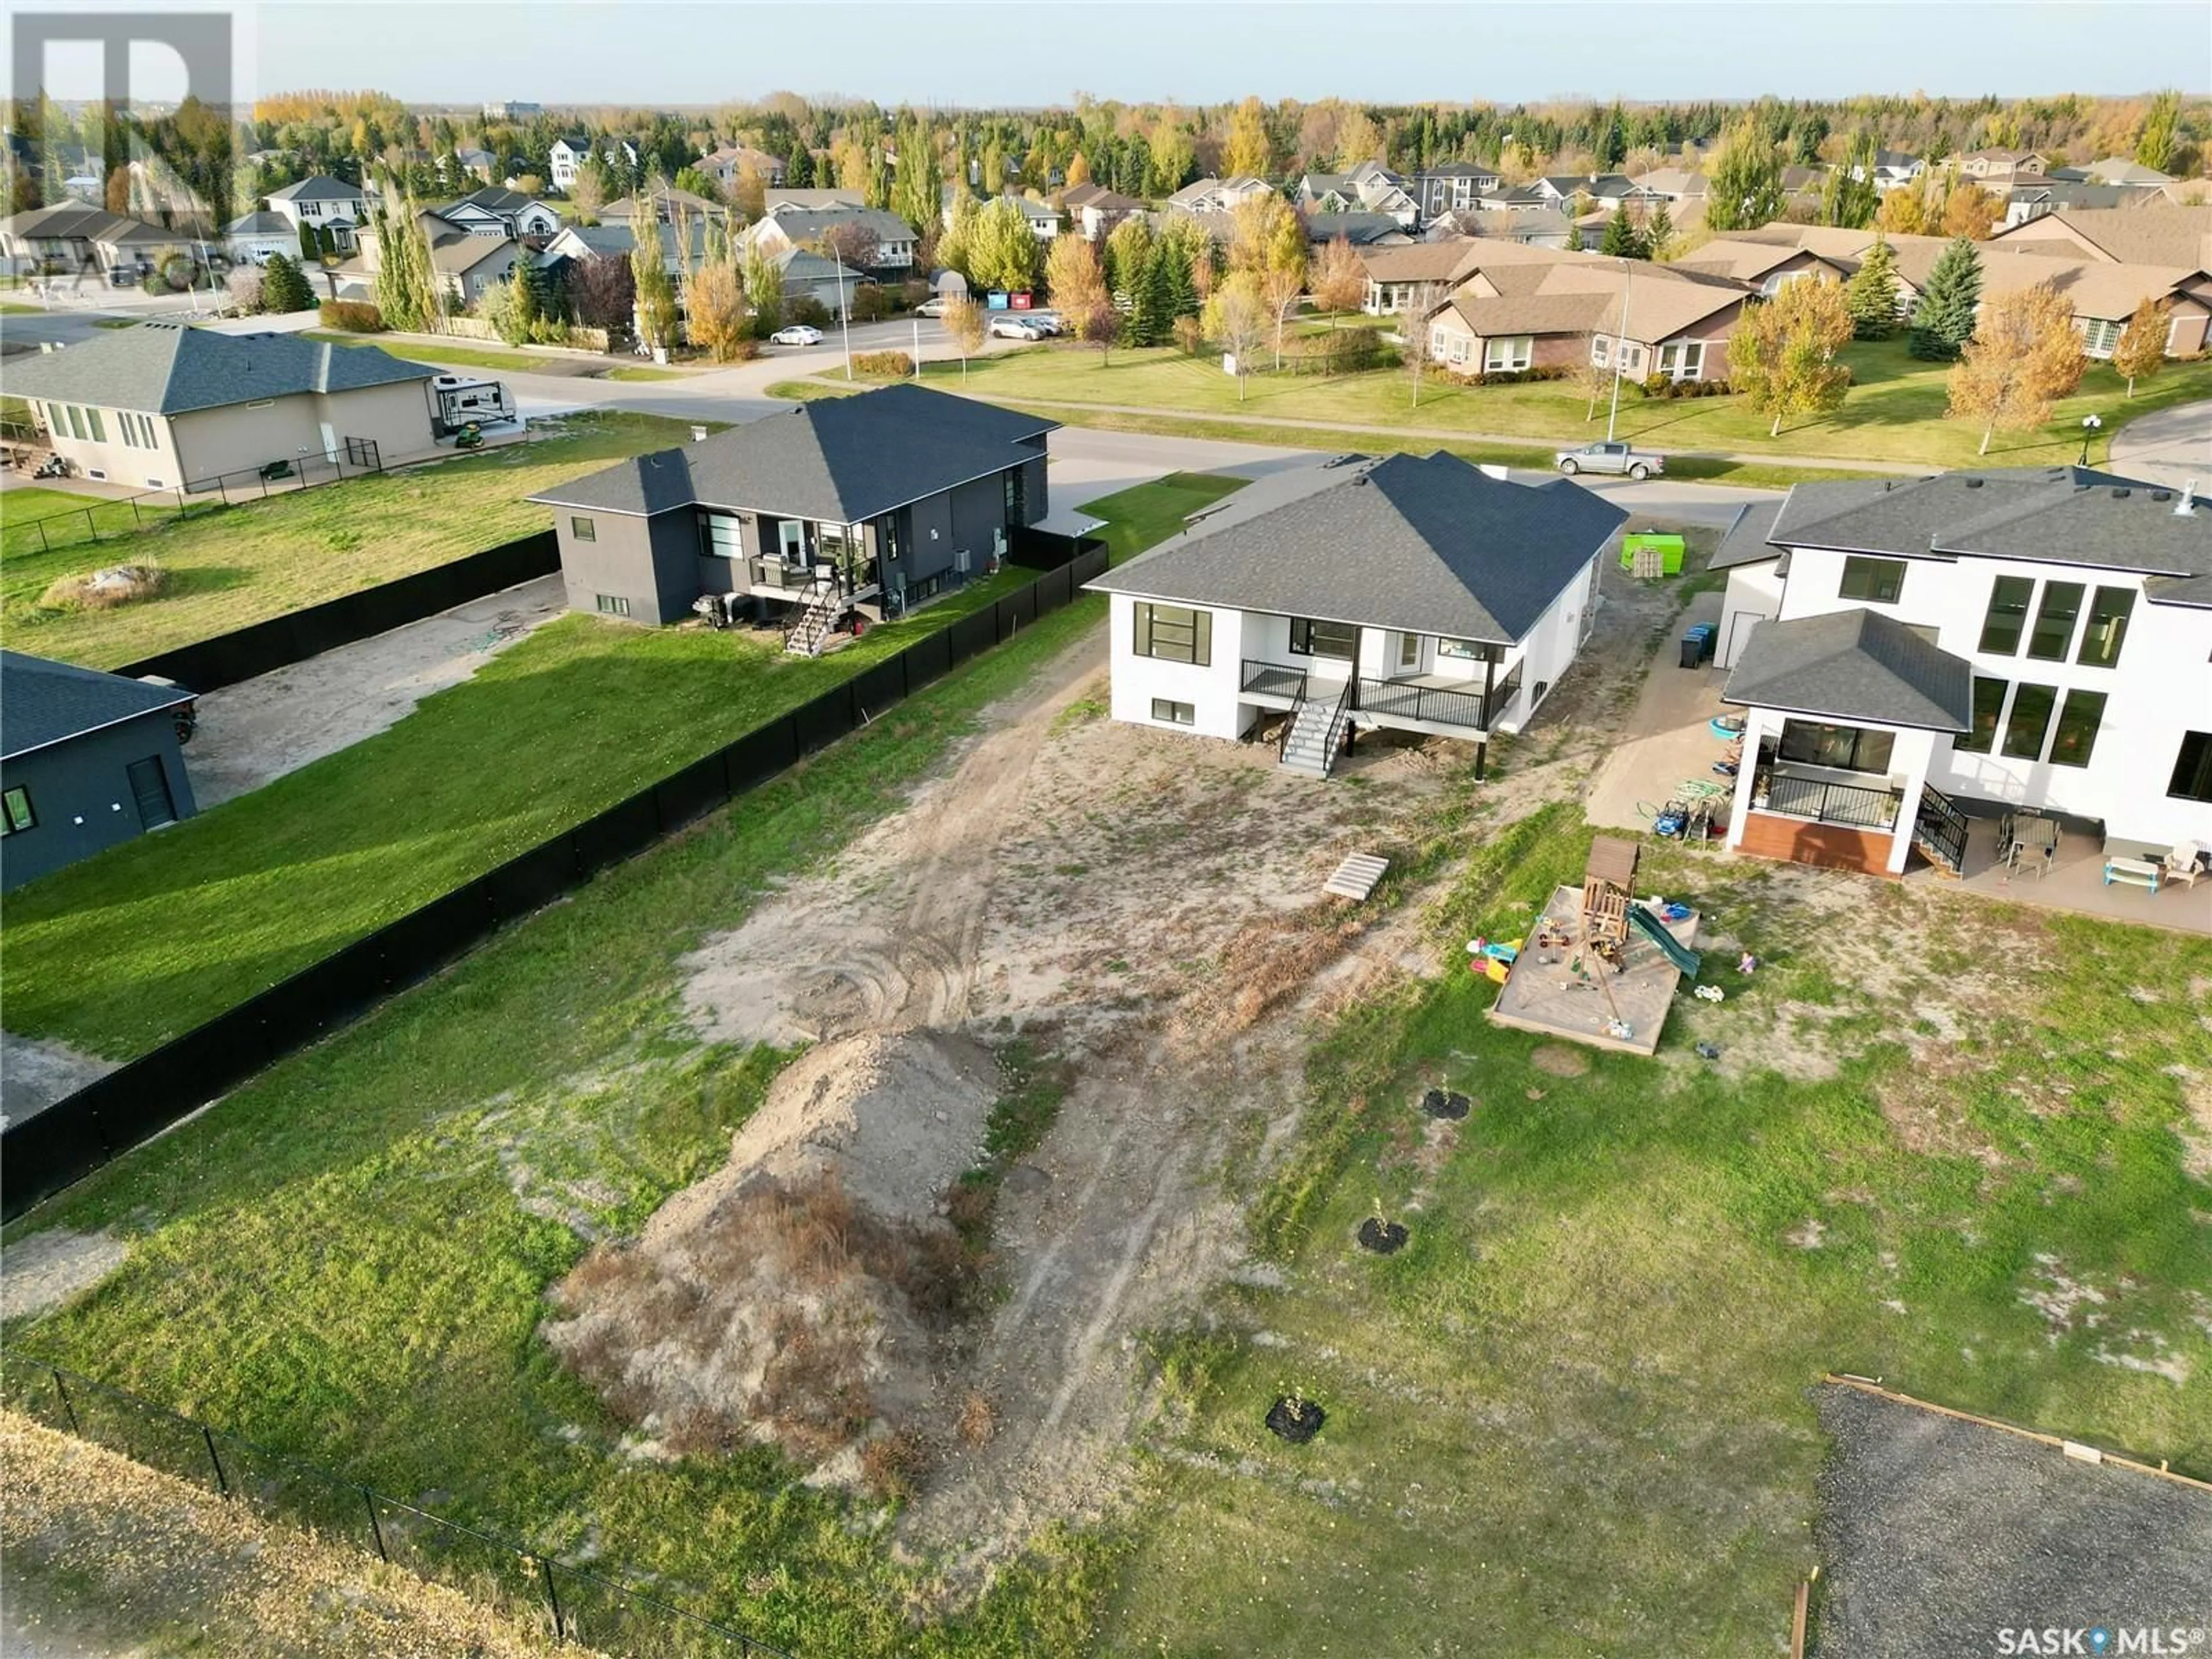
<point x="1544" y="994"/>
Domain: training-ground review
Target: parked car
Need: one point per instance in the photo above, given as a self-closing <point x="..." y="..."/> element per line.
<point x="797" y="334"/>
<point x="1016" y="328"/>
<point x="932" y="307"/>
<point x="1612" y="458"/>
<point x="1049" y="321"/>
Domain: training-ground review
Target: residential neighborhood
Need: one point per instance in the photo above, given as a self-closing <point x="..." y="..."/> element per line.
<point x="1229" y="839"/>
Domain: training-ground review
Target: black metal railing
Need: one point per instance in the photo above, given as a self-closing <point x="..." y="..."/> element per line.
<point x="572" y="1604"/>
<point x="113" y="518"/>
<point x="1272" y="679"/>
<point x="1411" y="700"/>
<point x="1831" y="803"/>
<point x="1502" y="696"/>
<point x="1942" y="827"/>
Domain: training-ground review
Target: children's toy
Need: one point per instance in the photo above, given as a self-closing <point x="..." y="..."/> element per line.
<point x="1709" y="993"/>
<point x="1707" y="1051"/>
<point x="1747" y="963"/>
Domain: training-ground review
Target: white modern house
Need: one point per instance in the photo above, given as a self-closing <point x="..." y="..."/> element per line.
<point x="1419" y="594"/>
<point x="1910" y="654"/>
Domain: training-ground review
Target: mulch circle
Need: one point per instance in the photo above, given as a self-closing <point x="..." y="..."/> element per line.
<point x="1296" y="1421"/>
<point x="1383" y="1237"/>
<point x="1438" y="1103"/>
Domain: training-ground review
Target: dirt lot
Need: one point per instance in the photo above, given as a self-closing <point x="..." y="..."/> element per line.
<point x="1145" y="909"/>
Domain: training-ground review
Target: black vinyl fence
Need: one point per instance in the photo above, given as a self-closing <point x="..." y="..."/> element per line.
<point x="571" y="1604"/>
<point x="260" y="647"/>
<point x="75" y="1136"/>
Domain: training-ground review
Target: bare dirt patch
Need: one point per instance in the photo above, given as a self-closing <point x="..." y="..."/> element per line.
<point x="47" y="1269"/>
<point x="1555" y="1061"/>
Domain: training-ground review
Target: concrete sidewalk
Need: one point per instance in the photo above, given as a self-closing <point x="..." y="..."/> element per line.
<point x="1667" y="739"/>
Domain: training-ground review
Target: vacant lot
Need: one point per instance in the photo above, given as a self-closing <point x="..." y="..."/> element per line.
<point x="1895" y="411"/>
<point x="228" y="567"/>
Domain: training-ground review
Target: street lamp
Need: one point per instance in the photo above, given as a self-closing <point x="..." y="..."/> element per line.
<point x="2091" y="425"/>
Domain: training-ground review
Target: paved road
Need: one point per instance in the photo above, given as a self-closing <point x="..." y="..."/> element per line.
<point x="2173" y="447"/>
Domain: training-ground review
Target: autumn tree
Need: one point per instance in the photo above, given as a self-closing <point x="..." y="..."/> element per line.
<point x="602" y="292"/>
<point x="1744" y="180"/>
<point x="2141" y="352"/>
<point x="1249" y="151"/>
<point x="764" y="282"/>
<point x="1783" y="355"/>
<point x="715" y="298"/>
<point x="1903" y="212"/>
<point x="588" y="193"/>
<point x="1077" y="283"/>
<point x="1357" y="139"/>
<point x="965" y="323"/>
<point x="1237" y="321"/>
<point x="656" y="291"/>
<point x="1078" y="171"/>
<point x="2024" y="356"/>
<point x="1969" y="211"/>
<point x="1871" y="294"/>
<point x="1943" y="318"/>
<point x="1594" y="380"/>
<point x="1265" y="236"/>
<point x="749" y="195"/>
<point x="1339" y="280"/>
<point x="854" y="242"/>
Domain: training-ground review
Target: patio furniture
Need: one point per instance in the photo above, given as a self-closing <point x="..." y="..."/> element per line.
<point x="2180" y="866"/>
<point x="2133" y="873"/>
<point x="2026" y="834"/>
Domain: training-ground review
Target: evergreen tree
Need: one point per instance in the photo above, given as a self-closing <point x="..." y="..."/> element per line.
<point x="283" y="288"/>
<point x="1621" y="240"/>
<point x="1613" y="141"/>
<point x="1174" y="260"/>
<point x="1575" y="238"/>
<point x="798" y="166"/>
<point x="1659" y="233"/>
<point x="307" y="249"/>
<point x="1154" y="311"/>
<point x="1871" y="294"/>
<point x="2161" y="136"/>
<point x="1850" y="198"/>
<point x="1943" y="321"/>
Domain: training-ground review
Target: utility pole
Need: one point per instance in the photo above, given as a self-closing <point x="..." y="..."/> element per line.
<point x="916" y="321"/>
<point x="844" y="310"/>
<point x="1619" y="339"/>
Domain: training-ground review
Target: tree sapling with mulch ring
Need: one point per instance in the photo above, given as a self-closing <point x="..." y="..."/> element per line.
<point x="1382" y="1238"/>
<point x="1294" y="1418"/>
<point x="1439" y="1103"/>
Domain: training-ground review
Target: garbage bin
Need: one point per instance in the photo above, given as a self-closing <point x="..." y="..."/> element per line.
<point x="1707" y="634"/>
<point x="1696" y="644"/>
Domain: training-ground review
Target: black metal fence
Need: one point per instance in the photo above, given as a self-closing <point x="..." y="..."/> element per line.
<point x="69" y="1139"/>
<point x="104" y="519"/>
<point x="259" y="647"/>
<point x="569" y="1603"/>
<point x="1047" y="550"/>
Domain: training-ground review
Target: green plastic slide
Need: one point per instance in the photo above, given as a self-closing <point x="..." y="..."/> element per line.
<point x="1655" y="930"/>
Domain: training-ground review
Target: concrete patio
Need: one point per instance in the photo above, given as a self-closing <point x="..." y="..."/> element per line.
<point x="2074" y="882"/>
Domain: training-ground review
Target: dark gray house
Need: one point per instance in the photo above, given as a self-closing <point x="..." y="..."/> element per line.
<point x="87" y="759"/>
<point x="864" y="506"/>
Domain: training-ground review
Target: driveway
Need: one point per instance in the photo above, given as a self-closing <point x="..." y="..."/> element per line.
<point x="2173" y="447"/>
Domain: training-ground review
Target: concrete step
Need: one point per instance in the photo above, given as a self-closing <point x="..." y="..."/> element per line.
<point x="1356" y="877"/>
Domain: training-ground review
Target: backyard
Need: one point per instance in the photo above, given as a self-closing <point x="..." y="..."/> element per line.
<point x="226" y="567"/>
<point x="1894" y="412"/>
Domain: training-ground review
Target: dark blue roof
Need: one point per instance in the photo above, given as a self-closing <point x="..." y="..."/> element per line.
<point x="42" y="702"/>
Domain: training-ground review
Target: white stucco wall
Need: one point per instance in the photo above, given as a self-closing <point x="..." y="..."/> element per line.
<point x="2160" y="688"/>
<point x="1754" y="594"/>
<point x="1912" y="753"/>
<point x="1211" y="690"/>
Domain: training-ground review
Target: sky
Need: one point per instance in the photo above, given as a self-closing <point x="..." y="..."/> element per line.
<point x="938" y="51"/>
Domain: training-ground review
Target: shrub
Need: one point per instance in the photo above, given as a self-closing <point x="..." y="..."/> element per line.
<point x="913" y="291"/>
<point x="1337" y="351"/>
<point x="808" y="310"/>
<point x="871" y="304"/>
<point x="353" y="316"/>
<point x="1189" y="336"/>
<point x="884" y="365"/>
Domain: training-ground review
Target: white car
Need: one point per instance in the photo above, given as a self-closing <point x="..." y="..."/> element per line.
<point x="932" y="307"/>
<point x="797" y="334"/>
<point x="1016" y="328"/>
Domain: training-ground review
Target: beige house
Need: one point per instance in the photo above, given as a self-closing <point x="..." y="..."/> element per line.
<point x="161" y="407"/>
<point x="2149" y="233"/>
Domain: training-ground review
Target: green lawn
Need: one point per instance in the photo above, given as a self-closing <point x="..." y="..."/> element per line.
<point x="335" y="1261"/>
<point x="465" y="356"/>
<point x="645" y="372"/>
<point x="1895" y="411"/>
<point x="17" y="308"/>
<point x="35" y="521"/>
<point x="231" y="566"/>
<point x="1575" y="1407"/>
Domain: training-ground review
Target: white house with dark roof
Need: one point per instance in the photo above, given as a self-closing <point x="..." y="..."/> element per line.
<point x="1419" y="594"/>
<point x="161" y="407"/>
<point x="1911" y="654"/>
<point x="327" y="203"/>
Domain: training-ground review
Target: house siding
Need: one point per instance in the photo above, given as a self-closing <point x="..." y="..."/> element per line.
<point x="80" y="794"/>
<point x="1828" y="845"/>
<point x="214" y="441"/>
<point x="651" y="563"/>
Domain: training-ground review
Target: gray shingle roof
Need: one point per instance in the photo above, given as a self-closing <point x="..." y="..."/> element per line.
<point x="1747" y="541"/>
<point x="263" y="223"/>
<point x="166" y="368"/>
<point x="1855" y="665"/>
<point x="1359" y="230"/>
<point x="806" y="224"/>
<point x="2056" y="514"/>
<point x="1428" y="544"/>
<point x="320" y="188"/>
<point x="48" y="702"/>
<point x="840" y="460"/>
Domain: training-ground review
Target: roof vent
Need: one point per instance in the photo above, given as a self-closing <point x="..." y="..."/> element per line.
<point x="2187" y="505"/>
<point x="1359" y="478"/>
<point x="2119" y="494"/>
<point x="2161" y="494"/>
<point x="1974" y="483"/>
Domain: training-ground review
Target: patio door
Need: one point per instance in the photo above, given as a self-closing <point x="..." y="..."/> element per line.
<point x="150" y="788"/>
<point x="1411" y="652"/>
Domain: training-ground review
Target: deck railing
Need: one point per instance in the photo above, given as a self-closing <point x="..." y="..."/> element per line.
<point x="1272" y="679"/>
<point x="1848" y="804"/>
<point x="1407" y="699"/>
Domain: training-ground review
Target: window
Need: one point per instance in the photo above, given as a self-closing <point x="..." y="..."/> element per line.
<point x="1324" y="639"/>
<point x="2054" y="623"/>
<point x="2076" y="735"/>
<point x="1843" y="748"/>
<point x="1601" y="349"/>
<point x="15" y="814"/>
<point x="1684" y="360"/>
<point x="2100" y="335"/>
<point x="721" y="537"/>
<point x="2007" y="615"/>
<point x="1175" y="633"/>
<point x="1989" y="705"/>
<point x="1878" y="581"/>
<point x="2192" y="768"/>
<point x="98" y="427"/>
<point x="1631" y="359"/>
<point x="1467" y="648"/>
<point x="2031" y="719"/>
<point x="2108" y="627"/>
<point x="791" y="536"/>
<point x="1507" y="353"/>
<point x="583" y="529"/>
<point x="1177" y="713"/>
<point x="613" y="604"/>
<point x="1409" y="653"/>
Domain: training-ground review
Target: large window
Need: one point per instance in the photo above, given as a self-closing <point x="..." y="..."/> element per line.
<point x="1683" y="360"/>
<point x="1877" y="581"/>
<point x="2079" y="716"/>
<point x="2108" y="627"/>
<point x="721" y="536"/>
<point x="1325" y="639"/>
<point x="2031" y="720"/>
<point x="1174" y="634"/>
<point x="1989" y="705"/>
<point x="2100" y="335"/>
<point x="2054" y="623"/>
<point x="1843" y="748"/>
<point x="2193" y="768"/>
<point x="2007" y="616"/>
<point x="15" y="813"/>
<point x="1507" y="352"/>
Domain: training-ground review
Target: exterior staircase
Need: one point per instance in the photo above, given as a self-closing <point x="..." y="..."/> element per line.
<point x="817" y="621"/>
<point x="1939" y="832"/>
<point x="1315" y="731"/>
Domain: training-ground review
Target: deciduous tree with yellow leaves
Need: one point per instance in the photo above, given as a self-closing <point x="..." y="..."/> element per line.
<point x="2024" y="356"/>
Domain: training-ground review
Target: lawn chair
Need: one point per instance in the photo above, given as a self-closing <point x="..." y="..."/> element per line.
<point x="2181" y="866"/>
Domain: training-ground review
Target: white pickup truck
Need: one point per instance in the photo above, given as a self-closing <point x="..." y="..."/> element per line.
<point x="1612" y="458"/>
